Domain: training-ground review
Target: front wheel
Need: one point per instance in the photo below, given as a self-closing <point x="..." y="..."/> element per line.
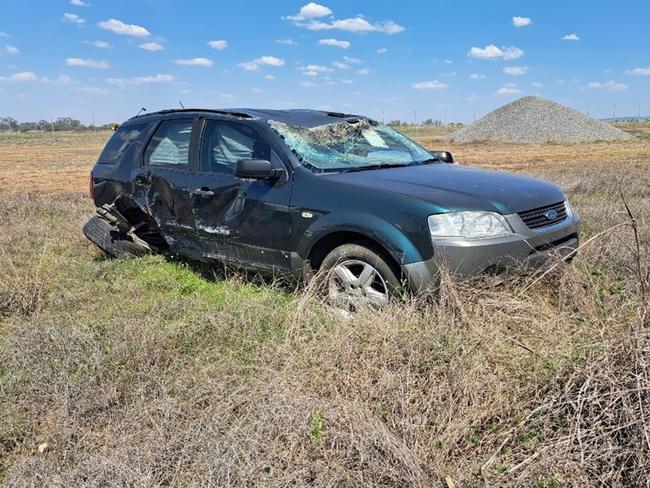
<point x="355" y="276"/>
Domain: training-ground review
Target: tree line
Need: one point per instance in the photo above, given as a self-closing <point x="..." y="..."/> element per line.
<point x="427" y="122"/>
<point x="9" y="124"/>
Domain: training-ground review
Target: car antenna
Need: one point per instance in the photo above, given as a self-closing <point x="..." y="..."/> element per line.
<point x="140" y="111"/>
<point x="181" y="104"/>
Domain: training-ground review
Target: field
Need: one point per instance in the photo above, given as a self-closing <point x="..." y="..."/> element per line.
<point x="149" y="372"/>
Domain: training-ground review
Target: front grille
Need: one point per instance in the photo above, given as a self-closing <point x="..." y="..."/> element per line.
<point x="538" y="217"/>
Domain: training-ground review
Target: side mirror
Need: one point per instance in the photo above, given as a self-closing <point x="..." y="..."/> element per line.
<point x="255" y="169"/>
<point x="445" y="157"/>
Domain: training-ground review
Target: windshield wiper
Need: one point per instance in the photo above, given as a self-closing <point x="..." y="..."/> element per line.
<point x="375" y="166"/>
<point x="429" y="160"/>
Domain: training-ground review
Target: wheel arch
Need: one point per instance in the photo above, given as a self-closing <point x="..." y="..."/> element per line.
<point x="375" y="233"/>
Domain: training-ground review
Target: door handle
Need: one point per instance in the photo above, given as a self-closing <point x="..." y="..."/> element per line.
<point x="204" y="192"/>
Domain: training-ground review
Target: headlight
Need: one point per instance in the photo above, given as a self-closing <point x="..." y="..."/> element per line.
<point x="471" y="225"/>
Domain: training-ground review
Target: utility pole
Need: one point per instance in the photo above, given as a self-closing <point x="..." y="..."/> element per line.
<point x="614" y="112"/>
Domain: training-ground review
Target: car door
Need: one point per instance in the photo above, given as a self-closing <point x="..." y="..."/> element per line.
<point x="244" y="221"/>
<point x="161" y="184"/>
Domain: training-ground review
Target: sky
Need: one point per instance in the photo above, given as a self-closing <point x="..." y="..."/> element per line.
<point x="448" y="60"/>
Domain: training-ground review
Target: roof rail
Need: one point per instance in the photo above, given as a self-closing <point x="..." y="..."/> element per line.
<point x="234" y="113"/>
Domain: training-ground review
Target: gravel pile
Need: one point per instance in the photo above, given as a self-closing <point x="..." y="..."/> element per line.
<point x="536" y="120"/>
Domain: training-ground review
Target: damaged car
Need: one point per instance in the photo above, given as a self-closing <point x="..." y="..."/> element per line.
<point x="303" y="191"/>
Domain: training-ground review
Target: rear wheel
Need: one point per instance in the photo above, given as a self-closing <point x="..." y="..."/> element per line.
<point x="110" y="240"/>
<point x="355" y="276"/>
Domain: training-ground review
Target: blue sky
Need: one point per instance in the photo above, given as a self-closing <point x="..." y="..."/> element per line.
<point x="439" y="59"/>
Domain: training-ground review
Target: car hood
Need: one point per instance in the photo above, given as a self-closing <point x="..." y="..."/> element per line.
<point x="455" y="188"/>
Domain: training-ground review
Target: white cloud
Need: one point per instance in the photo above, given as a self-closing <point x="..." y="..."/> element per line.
<point x="382" y="50"/>
<point x="4" y="34"/>
<point x="219" y="45"/>
<point x="346" y="82"/>
<point x="308" y="84"/>
<point x="476" y="76"/>
<point x="262" y="61"/>
<point x="350" y="60"/>
<point x="639" y="71"/>
<point x="79" y="3"/>
<point x="119" y="27"/>
<point x="335" y="43"/>
<point x="102" y="44"/>
<point x="571" y="37"/>
<point x="509" y="89"/>
<point x="270" y="77"/>
<point x="521" y="21"/>
<point x="315" y="70"/>
<point x="257" y="90"/>
<point x="86" y="63"/>
<point x="151" y="46"/>
<point x="537" y="84"/>
<point x="59" y="80"/>
<point x="287" y="42"/>
<point x="515" y="70"/>
<point x="12" y="50"/>
<point x="473" y="98"/>
<point x="20" y="77"/>
<point x="205" y="62"/>
<point x="356" y="25"/>
<point x="140" y="80"/>
<point x="310" y="11"/>
<point x="73" y="19"/>
<point x="93" y="90"/>
<point x="493" y="52"/>
<point x="429" y="85"/>
<point x="364" y="71"/>
<point x="318" y="68"/>
<point x="340" y="65"/>
<point x="611" y="85"/>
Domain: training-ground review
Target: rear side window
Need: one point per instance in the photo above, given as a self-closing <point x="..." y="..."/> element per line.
<point x="126" y="141"/>
<point x="170" y="145"/>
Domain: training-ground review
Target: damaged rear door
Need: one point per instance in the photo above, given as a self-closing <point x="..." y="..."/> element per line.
<point x="242" y="221"/>
<point x="161" y="183"/>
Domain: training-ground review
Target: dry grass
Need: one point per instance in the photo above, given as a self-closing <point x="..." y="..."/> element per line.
<point x="145" y="372"/>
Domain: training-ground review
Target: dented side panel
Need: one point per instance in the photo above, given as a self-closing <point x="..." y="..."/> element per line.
<point x="244" y="221"/>
<point x="165" y="195"/>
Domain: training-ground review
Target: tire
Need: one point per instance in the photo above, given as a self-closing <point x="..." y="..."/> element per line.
<point x="110" y="240"/>
<point x="347" y="277"/>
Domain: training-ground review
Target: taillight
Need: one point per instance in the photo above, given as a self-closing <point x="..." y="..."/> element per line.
<point x="91" y="186"/>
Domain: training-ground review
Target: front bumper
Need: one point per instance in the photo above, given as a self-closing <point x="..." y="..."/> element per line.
<point x="527" y="248"/>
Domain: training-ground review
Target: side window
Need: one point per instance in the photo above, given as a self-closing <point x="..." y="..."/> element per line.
<point x="225" y="143"/>
<point x="126" y="141"/>
<point x="170" y="145"/>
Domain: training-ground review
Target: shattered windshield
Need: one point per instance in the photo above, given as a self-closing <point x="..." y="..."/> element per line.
<point x="356" y="144"/>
